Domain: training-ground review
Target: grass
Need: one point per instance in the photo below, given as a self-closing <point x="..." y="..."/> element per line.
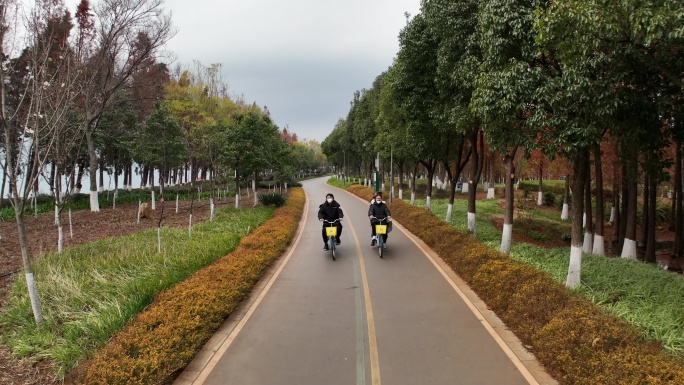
<point x="643" y="295"/>
<point x="91" y="291"/>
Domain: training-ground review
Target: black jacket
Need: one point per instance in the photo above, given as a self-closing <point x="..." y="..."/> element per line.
<point x="379" y="210"/>
<point x="330" y="211"/>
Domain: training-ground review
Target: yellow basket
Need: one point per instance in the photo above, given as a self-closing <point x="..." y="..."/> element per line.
<point x="331" y="231"/>
<point x="381" y="229"/>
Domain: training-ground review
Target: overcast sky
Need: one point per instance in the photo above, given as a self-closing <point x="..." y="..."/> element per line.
<point x="303" y="59"/>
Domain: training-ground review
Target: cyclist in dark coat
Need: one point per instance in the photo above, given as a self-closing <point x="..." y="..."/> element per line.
<point x="330" y="210"/>
<point x="378" y="209"/>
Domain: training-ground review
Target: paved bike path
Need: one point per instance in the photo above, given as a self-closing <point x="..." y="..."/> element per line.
<point x="360" y="319"/>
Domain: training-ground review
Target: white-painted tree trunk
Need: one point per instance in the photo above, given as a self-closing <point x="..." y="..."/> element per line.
<point x="450" y="210"/>
<point x="564" y="213"/>
<point x="586" y="245"/>
<point x="612" y="215"/>
<point x="413" y="198"/>
<point x="94" y="202"/>
<point x="401" y="194"/>
<point x="256" y="198"/>
<point x="130" y="187"/>
<point x="464" y="188"/>
<point x="154" y="203"/>
<point x="575" y="267"/>
<point x="177" y="203"/>
<point x="584" y="220"/>
<point x="60" y="237"/>
<point x="77" y="190"/>
<point x="211" y="210"/>
<point x="114" y="201"/>
<point x="33" y="295"/>
<point x="629" y="250"/>
<point x="506" y="238"/>
<point x="237" y="200"/>
<point x="471" y="224"/>
<point x="490" y="193"/>
<point x="190" y="226"/>
<point x="139" y="204"/>
<point x="540" y="200"/>
<point x="71" y="226"/>
<point x="56" y="214"/>
<point x="382" y="186"/>
<point x="100" y="189"/>
<point x="428" y="203"/>
<point x="599" y="246"/>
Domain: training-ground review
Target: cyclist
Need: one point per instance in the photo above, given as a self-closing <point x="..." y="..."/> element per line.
<point x="378" y="208"/>
<point x="329" y="211"/>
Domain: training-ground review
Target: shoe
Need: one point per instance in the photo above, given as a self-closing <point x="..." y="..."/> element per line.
<point x="338" y="241"/>
<point x="326" y="248"/>
<point x="384" y="246"/>
<point x="373" y="242"/>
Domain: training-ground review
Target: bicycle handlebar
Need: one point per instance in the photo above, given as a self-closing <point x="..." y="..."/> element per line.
<point x="331" y="222"/>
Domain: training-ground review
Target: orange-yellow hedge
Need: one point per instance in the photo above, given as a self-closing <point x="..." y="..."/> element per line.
<point x="158" y="343"/>
<point x="571" y="337"/>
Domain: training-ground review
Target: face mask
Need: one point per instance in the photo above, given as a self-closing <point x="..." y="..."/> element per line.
<point x="378" y="201"/>
<point x="329" y="200"/>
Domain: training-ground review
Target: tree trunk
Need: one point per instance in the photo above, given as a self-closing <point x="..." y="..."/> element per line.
<point x="629" y="246"/>
<point x="624" y="188"/>
<point x="92" y="167"/>
<point x="413" y="184"/>
<point x="475" y="171"/>
<point x="589" y="220"/>
<point x="540" y="193"/>
<point x="430" y="166"/>
<point x="566" y="197"/>
<point x="646" y="211"/>
<point x="599" y="244"/>
<point x="677" y="201"/>
<point x="650" y="255"/>
<point x="507" y="235"/>
<point x="579" y="179"/>
<point x="492" y="181"/>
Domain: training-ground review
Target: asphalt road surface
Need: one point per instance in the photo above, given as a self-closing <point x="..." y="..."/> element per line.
<point x="405" y="319"/>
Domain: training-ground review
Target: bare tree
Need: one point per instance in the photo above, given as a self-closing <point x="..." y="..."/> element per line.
<point x="35" y="98"/>
<point x="110" y="51"/>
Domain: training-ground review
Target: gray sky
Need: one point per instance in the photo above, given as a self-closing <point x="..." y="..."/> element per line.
<point x="303" y="59"/>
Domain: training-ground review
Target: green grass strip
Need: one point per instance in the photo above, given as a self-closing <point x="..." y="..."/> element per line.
<point x="91" y="291"/>
<point x="647" y="297"/>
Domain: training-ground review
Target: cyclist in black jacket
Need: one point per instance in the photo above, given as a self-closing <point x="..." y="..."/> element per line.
<point x="378" y="209"/>
<point x="330" y="210"/>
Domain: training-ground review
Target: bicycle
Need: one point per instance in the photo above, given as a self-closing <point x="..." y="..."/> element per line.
<point x="331" y="233"/>
<point x="380" y="230"/>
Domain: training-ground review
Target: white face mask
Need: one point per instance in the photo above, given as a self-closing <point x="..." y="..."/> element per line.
<point x="329" y="200"/>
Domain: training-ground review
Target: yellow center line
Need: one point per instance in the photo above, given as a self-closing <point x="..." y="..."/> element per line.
<point x="370" y="320"/>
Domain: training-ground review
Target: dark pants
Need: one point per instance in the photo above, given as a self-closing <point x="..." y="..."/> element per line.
<point x="339" y="231"/>
<point x="377" y="222"/>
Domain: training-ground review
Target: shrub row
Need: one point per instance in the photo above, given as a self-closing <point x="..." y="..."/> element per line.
<point x="162" y="340"/>
<point x="575" y="340"/>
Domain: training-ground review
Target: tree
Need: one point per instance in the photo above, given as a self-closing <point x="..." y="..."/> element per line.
<point x="110" y="51"/>
<point x="36" y="95"/>
<point x="252" y="143"/>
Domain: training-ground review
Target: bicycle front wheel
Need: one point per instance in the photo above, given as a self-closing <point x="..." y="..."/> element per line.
<point x="332" y="243"/>
<point x="381" y="245"/>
